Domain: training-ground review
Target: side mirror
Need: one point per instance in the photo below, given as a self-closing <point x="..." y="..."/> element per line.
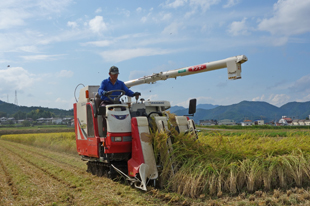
<point x="192" y="107"/>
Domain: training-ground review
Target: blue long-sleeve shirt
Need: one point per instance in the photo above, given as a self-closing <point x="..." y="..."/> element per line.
<point x="106" y="85"/>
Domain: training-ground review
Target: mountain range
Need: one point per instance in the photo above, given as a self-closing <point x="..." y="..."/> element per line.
<point x="10" y="109"/>
<point x="252" y="110"/>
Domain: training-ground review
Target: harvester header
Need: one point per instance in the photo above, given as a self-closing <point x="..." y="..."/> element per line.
<point x="233" y="65"/>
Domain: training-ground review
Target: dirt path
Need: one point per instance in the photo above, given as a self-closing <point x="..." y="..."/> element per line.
<point x="34" y="176"/>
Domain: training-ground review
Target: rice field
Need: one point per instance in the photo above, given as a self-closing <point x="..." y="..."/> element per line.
<point x="220" y="168"/>
<point x="237" y="162"/>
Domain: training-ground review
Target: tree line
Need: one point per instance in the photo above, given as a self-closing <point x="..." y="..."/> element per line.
<point x="34" y="114"/>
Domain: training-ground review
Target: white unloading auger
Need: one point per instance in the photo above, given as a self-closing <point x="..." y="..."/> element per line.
<point x="233" y="65"/>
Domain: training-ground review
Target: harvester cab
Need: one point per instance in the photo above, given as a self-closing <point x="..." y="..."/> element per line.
<point x="115" y="139"/>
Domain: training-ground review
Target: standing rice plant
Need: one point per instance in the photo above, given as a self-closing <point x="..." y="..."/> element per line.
<point x="294" y="167"/>
<point x="163" y="157"/>
<point x="280" y="169"/>
<point x="268" y="169"/>
<point x="63" y="142"/>
<point x="251" y="169"/>
<point x="220" y="162"/>
<point x="232" y="179"/>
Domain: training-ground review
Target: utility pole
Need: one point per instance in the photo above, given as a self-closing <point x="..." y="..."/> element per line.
<point x="16" y="101"/>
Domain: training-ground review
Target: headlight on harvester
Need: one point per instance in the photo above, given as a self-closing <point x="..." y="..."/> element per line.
<point x="117" y="139"/>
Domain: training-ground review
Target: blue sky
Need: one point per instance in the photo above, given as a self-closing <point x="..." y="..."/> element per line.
<point x="53" y="45"/>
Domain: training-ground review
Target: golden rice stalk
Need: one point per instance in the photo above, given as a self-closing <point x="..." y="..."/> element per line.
<point x="251" y="169"/>
<point x="233" y="178"/>
<point x="295" y="165"/>
<point x="268" y="171"/>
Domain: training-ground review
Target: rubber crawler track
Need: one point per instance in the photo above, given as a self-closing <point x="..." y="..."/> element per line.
<point x="44" y="170"/>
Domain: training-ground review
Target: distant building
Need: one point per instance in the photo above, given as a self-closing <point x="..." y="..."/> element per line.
<point x="295" y="122"/>
<point x="246" y="123"/>
<point x="3" y="119"/>
<point x="259" y="122"/>
<point x="12" y="120"/>
<point x="66" y="121"/>
<point x="207" y="122"/>
<point x="285" y="121"/>
<point x="56" y="120"/>
<point x="301" y="122"/>
<point x="227" y="122"/>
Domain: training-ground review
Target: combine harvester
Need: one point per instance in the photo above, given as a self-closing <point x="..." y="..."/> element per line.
<point x="121" y="144"/>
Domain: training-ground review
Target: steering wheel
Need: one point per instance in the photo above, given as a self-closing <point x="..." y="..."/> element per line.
<point x="114" y="97"/>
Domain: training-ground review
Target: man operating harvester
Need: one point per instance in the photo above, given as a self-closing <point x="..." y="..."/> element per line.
<point x="112" y="83"/>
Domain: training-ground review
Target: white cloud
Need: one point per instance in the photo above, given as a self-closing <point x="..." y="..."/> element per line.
<point x="139" y="9"/>
<point x="12" y="18"/>
<point x="231" y="3"/>
<point x="304" y="98"/>
<point x="14" y="13"/>
<point x="291" y="17"/>
<point x="261" y="98"/>
<point x="173" y="28"/>
<point x="145" y="18"/>
<point x="274" y="99"/>
<point x="279" y="99"/>
<point x="16" y="78"/>
<point x="175" y="4"/>
<point x="72" y="24"/>
<point x="125" y="54"/>
<point x="53" y="6"/>
<point x="99" y="10"/>
<point x="32" y="49"/>
<point x="65" y="73"/>
<point x="41" y="57"/>
<point x="166" y="17"/>
<point x="125" y="12"/>
<point x="238" y="28"/>
<point x="103" y="43"/>
<point x="97" y="24"/>
<point x="301" y="85"/>
<point x="203" y="4"/>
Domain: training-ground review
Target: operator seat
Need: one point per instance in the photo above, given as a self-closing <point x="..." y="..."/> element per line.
<point x="97" y="102"/>
<point x="100" y="110"/>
